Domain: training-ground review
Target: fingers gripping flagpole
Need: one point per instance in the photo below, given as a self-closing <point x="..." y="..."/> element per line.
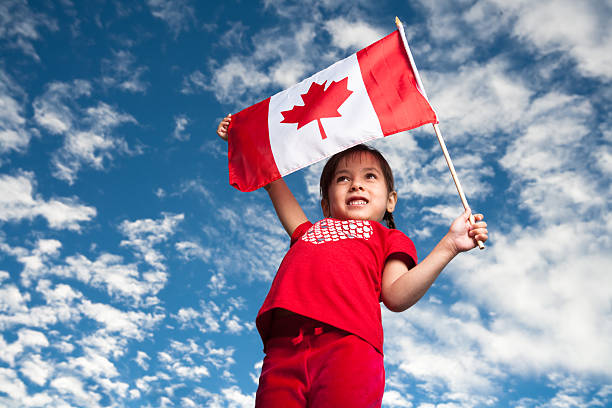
<point x="449" y="162"/>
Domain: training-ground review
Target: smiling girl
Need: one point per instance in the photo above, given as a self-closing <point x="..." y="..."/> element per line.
<point x="321" y="321"/>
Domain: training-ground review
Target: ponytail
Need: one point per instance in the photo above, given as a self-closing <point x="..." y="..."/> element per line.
<point x="389" y="220"/>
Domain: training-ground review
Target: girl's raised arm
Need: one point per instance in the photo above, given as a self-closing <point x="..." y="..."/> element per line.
<point x="287" y="208"/>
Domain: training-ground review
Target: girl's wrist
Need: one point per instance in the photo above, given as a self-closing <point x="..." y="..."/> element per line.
<point x="449" y="246"/>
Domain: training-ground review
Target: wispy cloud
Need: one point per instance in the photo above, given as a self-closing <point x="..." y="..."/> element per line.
<point x="178" y="14"/>
<point x="546" y="28"/>
<point x="352" y="35"/>
<point x="542" y="29"/>
<point x="20" y="26"/>
<point x="88" y="131"/>
<point x="192" y="250"/>
<point x="250" y="243"/>
<point x="276" y="59"/>
<point x="13" y="133"/>
<point x="122" y="72"/>
<point x="211" y="317"/>
<point x="18" y="201"/>
<point x="145" y="233"/>
<point x="232" y="397"/>
<point x="180" y="125"/>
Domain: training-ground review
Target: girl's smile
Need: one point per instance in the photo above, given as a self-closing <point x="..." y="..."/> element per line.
<point x="358" y="190"/>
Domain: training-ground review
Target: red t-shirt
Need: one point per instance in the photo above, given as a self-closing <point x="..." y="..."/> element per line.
<point x="333" y="273"/>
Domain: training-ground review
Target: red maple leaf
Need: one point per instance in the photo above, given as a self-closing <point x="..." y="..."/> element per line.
<point x="319" y="103"/>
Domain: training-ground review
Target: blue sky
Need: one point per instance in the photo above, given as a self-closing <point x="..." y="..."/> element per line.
<point x="131" y="272"/>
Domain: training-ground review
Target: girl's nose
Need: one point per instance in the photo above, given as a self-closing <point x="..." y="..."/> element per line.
<point x="356" y="186"/>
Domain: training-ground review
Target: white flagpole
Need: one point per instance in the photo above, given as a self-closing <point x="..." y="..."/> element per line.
<point x="449" y="162"/>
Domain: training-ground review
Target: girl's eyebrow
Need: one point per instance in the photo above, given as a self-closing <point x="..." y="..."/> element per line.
<point x="365" y="169"/>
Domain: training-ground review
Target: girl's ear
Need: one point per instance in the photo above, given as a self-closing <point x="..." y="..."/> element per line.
<point x="391" y="201"/>
<point x="325" y="208"/>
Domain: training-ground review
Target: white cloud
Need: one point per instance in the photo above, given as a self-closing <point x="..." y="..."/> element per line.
<point x="34" y="261"/>
<point x="539" y="302"/>
<point x="52" y="112"/>
<point x="352" y="35"/>
<point x="12" y="300"/>
<point x="276" y="58"/>
<point x="18" y="201"/>
<point x="393" y="398"/>
<point x="111" y="273"/>
<point x="218" y="284"/>
<point x="178" y="14"/>
<point x="13" y="134"/>
<point x="194" y="82"/>
<point x="197" y="186"/>
<point x="184" y="371"/>
<point x="145" y="233"/>
<point x="274" y="61"/>
<point x="250" y="242"/>
<point x="11" y="385"/>
<point x="543" y="28"/>
<point x="121" y="72"/>
<point x="26" y="339"/>
<point x="20" y="26"/>
<point x="92" y="365"/>
<point x="59" y="307"/>
<point x="181" y="122"/>
<point x="544" y="158"/>
<point x="74" y="389"/>
<point x="233" y="79"/>
<point x="235" y="398"/>
<point x="142" y="359"/>
<point x="190" y="361"/>
<point x="104" y="343"/>
<point x="480" y="99"/>
<point x="206" y="319"/>
<point x="36" y="369"/>
<point x="212" y="318"/>
<point x="192" y="250"/>
<point x="546" y="26"/>
<point x="131" y="324"/>
<point x="92" y="145"/>
<point x="88" y="138"/>
<point x="231" y="397"/>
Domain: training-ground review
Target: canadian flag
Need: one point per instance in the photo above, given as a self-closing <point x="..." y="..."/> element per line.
<point x="371" y="94"/>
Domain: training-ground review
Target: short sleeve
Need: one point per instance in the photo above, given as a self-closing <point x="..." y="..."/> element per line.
<point x="401" y="247"/>
<point x="299" y="231"/>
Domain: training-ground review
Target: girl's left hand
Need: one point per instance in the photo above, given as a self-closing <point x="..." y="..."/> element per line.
<point x="223" y="127"/>
<point x="463" y="235"/>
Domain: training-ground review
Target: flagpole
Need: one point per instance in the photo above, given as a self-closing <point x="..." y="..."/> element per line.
<point x="449" y="162"/>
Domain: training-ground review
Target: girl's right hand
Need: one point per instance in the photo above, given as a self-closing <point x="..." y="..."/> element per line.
<point x="223" y="126"/>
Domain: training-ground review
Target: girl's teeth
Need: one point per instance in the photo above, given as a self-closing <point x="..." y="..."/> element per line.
<point x="357" y="202"/>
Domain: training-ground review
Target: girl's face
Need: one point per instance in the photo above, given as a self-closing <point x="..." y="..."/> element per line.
<point x="358" y="190"/>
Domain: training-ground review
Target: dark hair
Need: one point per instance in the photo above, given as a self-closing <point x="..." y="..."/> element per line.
<point x="330" y="168"/>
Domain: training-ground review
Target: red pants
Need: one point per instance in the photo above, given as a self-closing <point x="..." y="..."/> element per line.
<point x="310" y="364"/>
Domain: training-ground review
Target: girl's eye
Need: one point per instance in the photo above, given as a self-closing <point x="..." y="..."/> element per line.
<point x="341" y="179"/>
<point x="371" y="176"/>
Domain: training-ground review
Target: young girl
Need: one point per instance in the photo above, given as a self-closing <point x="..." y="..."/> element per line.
<point x="321" y="321"/>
